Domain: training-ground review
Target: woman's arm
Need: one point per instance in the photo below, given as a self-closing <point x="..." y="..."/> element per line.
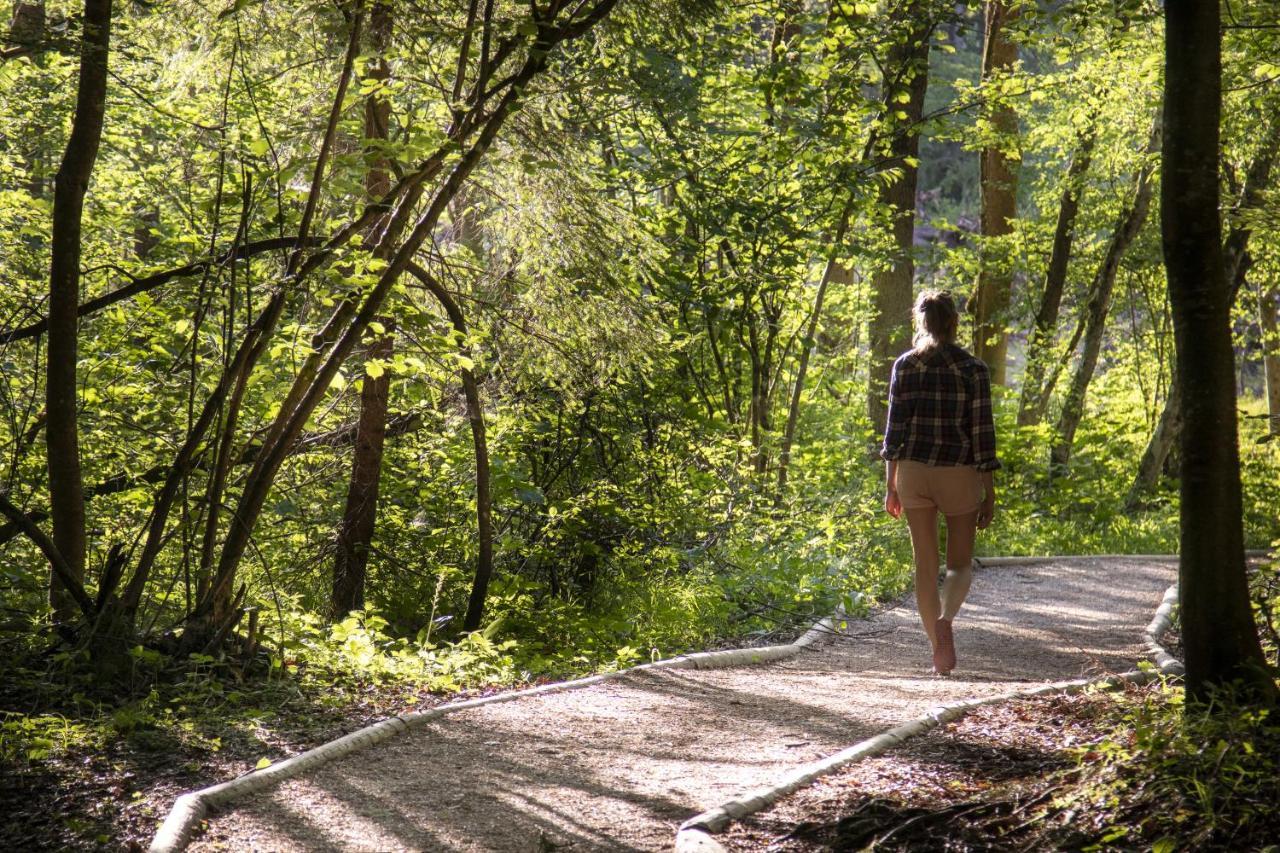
<point x="984" y="445"/>
<point x="892" y="504"/>
<point x="981" y="423"/>
<point x="895" y="434"/>
<point x="987" y="511"/>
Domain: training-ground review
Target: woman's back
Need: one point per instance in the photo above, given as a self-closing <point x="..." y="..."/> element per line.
<point x="940" y="409"/>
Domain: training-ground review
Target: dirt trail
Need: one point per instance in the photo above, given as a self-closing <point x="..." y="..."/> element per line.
<point x="618" y="766"/>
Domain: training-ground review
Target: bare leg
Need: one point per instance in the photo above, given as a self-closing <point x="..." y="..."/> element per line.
<point x="961" y="530"/>
<point x="923" y="524"/>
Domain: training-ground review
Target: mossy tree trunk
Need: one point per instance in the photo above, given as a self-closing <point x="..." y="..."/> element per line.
<point x="62" y="435"/>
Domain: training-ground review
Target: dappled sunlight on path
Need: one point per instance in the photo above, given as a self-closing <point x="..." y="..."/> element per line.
<point x="619" y="765"/>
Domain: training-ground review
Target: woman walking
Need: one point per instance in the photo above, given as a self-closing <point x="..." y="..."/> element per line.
<point x="939" y="451"/>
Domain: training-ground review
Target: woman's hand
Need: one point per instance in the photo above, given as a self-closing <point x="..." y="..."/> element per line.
<point x="987" y="511"/>
<point x="892" y="504"/>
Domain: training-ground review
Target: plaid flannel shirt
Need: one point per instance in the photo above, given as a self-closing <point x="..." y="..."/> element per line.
<point x="940" y="410"/>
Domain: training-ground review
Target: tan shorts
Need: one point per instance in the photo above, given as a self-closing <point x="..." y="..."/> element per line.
<point x="953" y="489"/>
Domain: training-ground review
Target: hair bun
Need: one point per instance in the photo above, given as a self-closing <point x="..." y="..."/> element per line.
<point x="936" y="319"/>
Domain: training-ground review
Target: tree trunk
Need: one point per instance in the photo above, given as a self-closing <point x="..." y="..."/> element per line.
<point x="484" y="505"/>
<point x="1218" y="631"/>
<point x="890" y="328"/>
<point x="1032" y="405"/>
<point x="1127" y="227"/>
<point x="475" y="414"/>
<point x="999" y="187"/>
<point x="355" y="532"/>
<point x="66" y="489"/>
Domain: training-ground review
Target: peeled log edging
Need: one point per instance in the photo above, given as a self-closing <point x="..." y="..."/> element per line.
<point x="695" y="834"/>
<point x="191" y="808"/>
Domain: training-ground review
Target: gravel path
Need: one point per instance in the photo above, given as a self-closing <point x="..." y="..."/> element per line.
<point x="618" y="766"/>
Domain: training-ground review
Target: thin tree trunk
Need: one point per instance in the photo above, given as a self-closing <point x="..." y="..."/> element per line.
<point x="1032" y="405"/>
<point x="359" y="519"/>
<point x="1127" y="227"/>
<point x="1162" y="442"/>
<point x="484" y="505"/>
<point x="1218" y="632"/>
<point x="355" y="532"/>
<point x="999" y="189"/>
<point x="830" y="272"/>
<point x="66" y="488"/>
<point x="891" y="289"/>
<point x="475" y="414"/>
<point x="1235" y="252"/>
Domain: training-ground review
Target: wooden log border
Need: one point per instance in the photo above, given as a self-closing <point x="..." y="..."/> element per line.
<point x="695" y="834"/>
<point x="192" y="807"/>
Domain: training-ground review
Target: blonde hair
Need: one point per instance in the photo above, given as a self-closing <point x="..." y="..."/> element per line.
<point x="936" y="320"/>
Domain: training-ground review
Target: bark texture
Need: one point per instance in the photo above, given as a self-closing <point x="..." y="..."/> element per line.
<point x="999" y="190"/>
<point x="360" y="516"/>
<point x="891" y="289"/>
<point x="62" y="438"/>
<point x="1218" y="632"/>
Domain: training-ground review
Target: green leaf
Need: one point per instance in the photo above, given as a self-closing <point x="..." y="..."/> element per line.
<point x="262" y="764"/>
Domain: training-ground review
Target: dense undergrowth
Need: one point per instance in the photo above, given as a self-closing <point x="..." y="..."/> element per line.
<point x="1175" y="776"/>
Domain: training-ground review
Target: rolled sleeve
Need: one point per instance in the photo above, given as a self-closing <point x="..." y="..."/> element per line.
<point x="983" y="437"/>
<point x="895" y="426"/>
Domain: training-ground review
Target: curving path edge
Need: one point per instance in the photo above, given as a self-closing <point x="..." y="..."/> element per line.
<point x="192" y="807"/>
<point x="695" y="834"/>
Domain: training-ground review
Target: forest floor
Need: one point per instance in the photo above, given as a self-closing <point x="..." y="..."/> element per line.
<point x="618" y="766"/>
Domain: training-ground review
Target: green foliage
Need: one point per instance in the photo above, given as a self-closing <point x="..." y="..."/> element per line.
<point x="358" y="650"/>
<point x="1180" y="778"/>
<point x="36" y="737"/>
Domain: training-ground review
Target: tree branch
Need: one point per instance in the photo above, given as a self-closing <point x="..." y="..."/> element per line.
<point x="151" y="282"/>
<point x="51" y="553"/>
